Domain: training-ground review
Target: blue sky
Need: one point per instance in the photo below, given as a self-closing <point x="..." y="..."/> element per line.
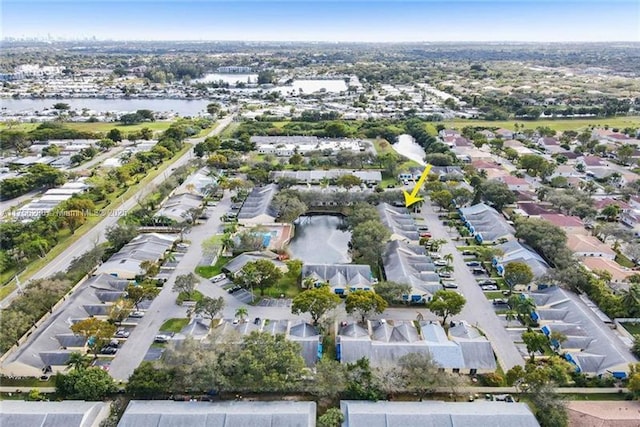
<point x="325" y="20"/>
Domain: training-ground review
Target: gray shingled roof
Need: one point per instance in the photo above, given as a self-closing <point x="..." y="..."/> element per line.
<point x="399" y="221"/>
<point x="408" y="264"/>
<point x="436" y="414"/>
<point x="16" y="413"/>
<point x="340" y="276"/>
<point x="318" y="175"/>
<point x="259" y="202"/>
<point x="487" y="222"/>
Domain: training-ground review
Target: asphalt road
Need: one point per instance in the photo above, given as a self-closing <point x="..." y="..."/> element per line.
<point x="96" y="234"/>
<point x="479" y="310"/>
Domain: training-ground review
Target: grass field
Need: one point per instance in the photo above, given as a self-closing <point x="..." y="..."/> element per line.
<point x="174" y="325"/>
<point x="97" y="126"/>
<point x="559" y="125"/>
<point x="632" y="328"/>
<point x="208" y="271"/>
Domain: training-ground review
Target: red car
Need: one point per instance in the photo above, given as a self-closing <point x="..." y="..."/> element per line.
<point x="428" y="235"/>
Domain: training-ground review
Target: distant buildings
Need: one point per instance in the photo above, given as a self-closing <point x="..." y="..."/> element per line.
<point x="285" y="146"/>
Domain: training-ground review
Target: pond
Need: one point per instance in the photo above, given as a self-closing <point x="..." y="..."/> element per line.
<point x="319" y="239"/>
<point x="408" y="147"/>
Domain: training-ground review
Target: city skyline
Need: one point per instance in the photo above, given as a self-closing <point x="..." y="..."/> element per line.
<point x="331" y="21"/>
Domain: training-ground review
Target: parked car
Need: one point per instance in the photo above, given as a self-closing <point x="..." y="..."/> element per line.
<point x="444" y="274"/>
<point x="122" y="333"/>
<point x="161" y="339"/>
<point x="182" y="246"/>
<point x="489" y="287"/>
<point x="423" y="228"/>
<point x="425" y="235"/>
<point x="474" y="264"/>
<point x="108" y="350"/>
<point x="236" y="288"/>
<point x="137" y="314"/>
<point x="467" y="252"/>
<point x="500" y="302"/>
<point x="478" y="271"/>
<point x="450" y="285"/>
<point x="434" y="255"/>
<point x="440" y="263"/>
<point x="218" y="278"/>
<point x="487" y="282"/>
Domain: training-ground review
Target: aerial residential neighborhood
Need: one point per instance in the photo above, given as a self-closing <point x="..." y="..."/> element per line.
<point x="352" y="228"/>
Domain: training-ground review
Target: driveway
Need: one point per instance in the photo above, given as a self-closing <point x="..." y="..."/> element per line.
<point x="479" y="310"/>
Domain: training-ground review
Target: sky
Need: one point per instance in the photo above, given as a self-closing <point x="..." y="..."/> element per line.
<point x="325" y="20"/>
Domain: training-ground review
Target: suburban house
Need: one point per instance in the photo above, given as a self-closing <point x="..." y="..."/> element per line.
<point x="361" y="413"/>
<point x="285" y="146"/>
<point x="399" y="221"/>
<point x="514" y="183"/>
<point x="197" y="183"/>
<point x="178" y="207"/>
<point x="67" y="413"/>
<point x="235" y="265"/>
<point x="515" y="251"/>
<point x="385" y="341"/>
<point x="504" y="133"/>
<point x="588" y="246"/>
<point x="257" y="208"/>
<point x="317" y="176"/>
<point x="166" y="413"/>
<point x="587" y="346"/>
<point x="409" y="264"/>
<point x="125" y="264"/>
<point x="342" y="278"/>
<point x="486" y="224"/>
<point x="569" y="224"/>
<point x="619" y="274"/>
<point x="52" y="343"/>
<point x="532" y="209"/>
<point x="603" y="413"/>
<point x="413" y="174"/>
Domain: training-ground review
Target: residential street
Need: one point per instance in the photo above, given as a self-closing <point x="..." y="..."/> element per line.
<point x="96" y="234"/>
<point x="478" y="311"/>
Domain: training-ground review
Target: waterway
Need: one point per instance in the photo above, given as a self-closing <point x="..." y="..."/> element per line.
<point x="319" y="239"/>
<point x="408" y="147"/>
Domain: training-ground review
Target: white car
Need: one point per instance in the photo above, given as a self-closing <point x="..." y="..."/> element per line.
<point x="137" y="314"/>
<point x="218" y="278"/>
<point x="489" y="287"/>
<point x="441" y="263"/>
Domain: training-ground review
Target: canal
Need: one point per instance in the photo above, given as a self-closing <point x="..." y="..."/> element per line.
<point x="320" y="239"/>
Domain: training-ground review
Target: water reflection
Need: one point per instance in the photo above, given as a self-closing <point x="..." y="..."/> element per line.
<point x="319" y="239"/>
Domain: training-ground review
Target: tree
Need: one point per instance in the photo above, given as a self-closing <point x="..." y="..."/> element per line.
<point x="392" y="292"/>
<point x="550" y="407"/>
<point x="611" y="212"/>
<point x="296" y="159"/>
<point x="97" y="332"/>
<point x="186" y="283"/>
<point x="497" y="194"/>
<point x="317" y="302"/>
<point x="260" y="274"/>
<point x="149" y="382"/>
<point x="330" y="379"/>
<point x="333" y="417"/>
<point x="289" y="208"/>
<point x="368" y="240"/>
<point x="442" y="198"/>
<point x="362" y="383"/>
<point x="446" y="303"/>
<point x="365" y="303"/>
<point x="546" y="238"/>
<point x="241" y="313"/>
<point x="78" y="361"/>
<point x="294" y="269"/>
<point x="115" y="135"/>
<point x="146" y="134"/>
<point x="149" y="269"/>
<point x="625" y="152"/>
<point x="213" y="108"/>
<point x="522" y="305"/>
<point x="263" y="363"/>
<point x="517" y="273"/>
<point x="120" y="235"/>
<point x="86" y="384"/>
<point x="631" y="300"/>
<point x="209" y="307"/>
<point x="138" y="293"/>
<point x="61" y="106"/>
<point x="120" y="310"/>
<point x="347" y="181"/>
<point x="537" y="165"/>
<point x="418" y="373"/>
<point x="535" y="342"/>
<point x="634" y="379"/>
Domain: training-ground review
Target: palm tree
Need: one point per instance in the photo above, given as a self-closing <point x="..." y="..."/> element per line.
<point x="78" y="361"/>
<point x="522" y="305"/>
<point x="448" y="258"/>
<point x="510" y="316"/>
<point x="241" y="313"/>
<point x="631" y="300"/>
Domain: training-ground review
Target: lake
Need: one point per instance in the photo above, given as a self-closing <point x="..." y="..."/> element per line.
<point x="408" y="147"/>
<point x="318" y="239"/>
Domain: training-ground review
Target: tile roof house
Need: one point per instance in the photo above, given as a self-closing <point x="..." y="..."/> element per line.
<point x="515" y="183"/>
<point x="257" y="208"/>
<point x="589" y="345"/>
<point x="588" y="246"/>
<point x="619" y="274"/>
<point x="430" y="413"/>
<point x="570" y="224"/>
<point x="603" y="413"/>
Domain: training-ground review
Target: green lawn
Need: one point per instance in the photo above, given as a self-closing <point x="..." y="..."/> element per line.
<point x="491" y="295"/>
<point x="287" y="286"/>
<point x="212" y="270"/>
<point x="97" y="126"/>
<point x="174" y="325"/>
<point x="624" y="261"/>
<point x="560" y="125"/>
<point x="632" y="328"/>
